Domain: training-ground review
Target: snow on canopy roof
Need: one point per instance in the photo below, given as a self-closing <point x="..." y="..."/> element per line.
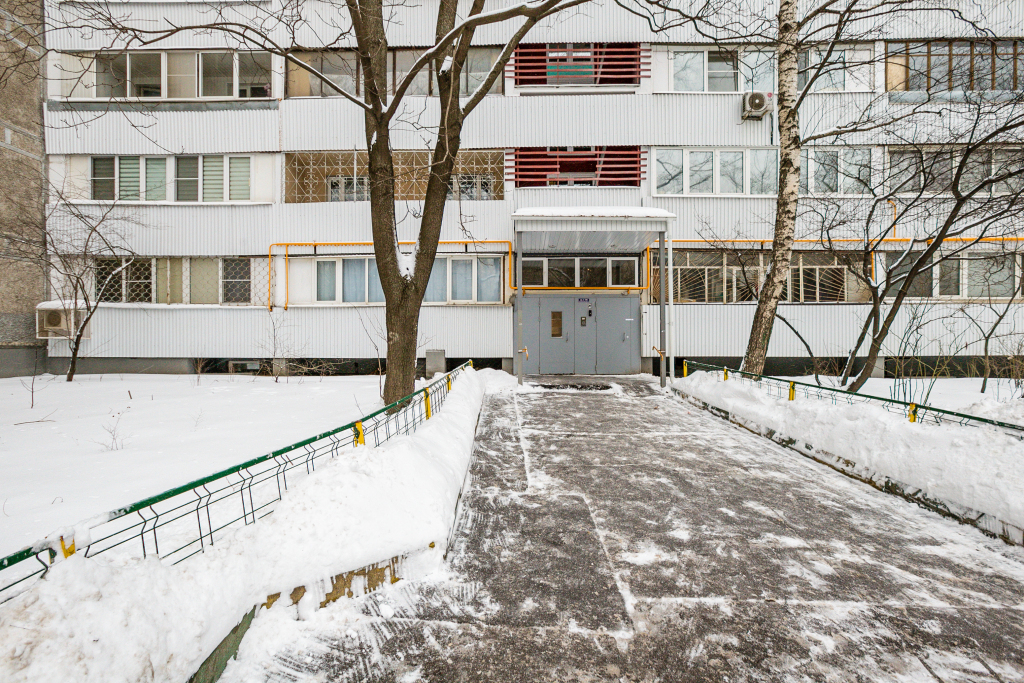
<point x="607" y="212"/>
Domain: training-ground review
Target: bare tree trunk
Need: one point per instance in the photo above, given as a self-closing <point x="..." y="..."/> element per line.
<point x="789" y="187"/>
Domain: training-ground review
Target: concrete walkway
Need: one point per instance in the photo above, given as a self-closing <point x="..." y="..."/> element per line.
<point x="623" y="535"/>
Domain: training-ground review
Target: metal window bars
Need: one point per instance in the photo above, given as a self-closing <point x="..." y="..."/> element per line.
<point x="182" y="522"/>
<point x="913" y="412"/>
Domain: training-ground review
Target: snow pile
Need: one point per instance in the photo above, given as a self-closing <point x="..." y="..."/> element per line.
<point x="1001" y="411"/>
<point x="975" y="468"/>
<point x="103" y="619"/>
<point x="106" y="441"/>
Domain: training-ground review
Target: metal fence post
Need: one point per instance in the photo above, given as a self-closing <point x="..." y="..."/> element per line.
<point x="360" y="437"/>
<point x="686" y="370"/>
<point x="792" y="391"/>
<point x="912" y="412"/>
<point x="725" y="373"/>
<point x="426" y="396"/>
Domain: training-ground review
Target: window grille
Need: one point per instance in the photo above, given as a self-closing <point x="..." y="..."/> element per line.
<point x="587" y="166"/>
<point x="128" y="280"/>
<point x="236" y="281"/>
<point x="580" y="64"/>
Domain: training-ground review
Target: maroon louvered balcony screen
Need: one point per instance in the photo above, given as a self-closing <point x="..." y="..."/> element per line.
<point x="593" y="167"/>
<point x="580" y="64"/>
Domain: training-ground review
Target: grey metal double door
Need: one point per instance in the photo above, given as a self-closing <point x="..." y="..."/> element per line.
<point x="584" y="335"/>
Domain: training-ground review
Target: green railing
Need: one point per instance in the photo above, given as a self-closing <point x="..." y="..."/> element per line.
<point x="914" y="412"/>
<point x="183" y="521"/>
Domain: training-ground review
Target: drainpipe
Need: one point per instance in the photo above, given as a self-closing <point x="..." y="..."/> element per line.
<point x="661" y="301"/>
<point x="519" y="304"/>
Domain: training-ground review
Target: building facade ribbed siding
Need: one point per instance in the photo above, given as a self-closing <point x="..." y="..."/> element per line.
<point x="127" y="331"/>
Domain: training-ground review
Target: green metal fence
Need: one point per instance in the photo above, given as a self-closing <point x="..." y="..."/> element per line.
<point x="185" y="520"/>
<point x="791" y="390"/>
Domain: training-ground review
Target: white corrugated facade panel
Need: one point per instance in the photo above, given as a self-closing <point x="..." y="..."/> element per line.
<point x="722" y="330"/>
<point x="169" y="331"/>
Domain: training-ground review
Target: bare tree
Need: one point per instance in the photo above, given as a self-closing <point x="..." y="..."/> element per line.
<point x="809" y="40"/>
<point x="284" y="29"/>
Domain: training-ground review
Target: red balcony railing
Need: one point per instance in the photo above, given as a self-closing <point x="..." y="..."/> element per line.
<point x="578" y="166"/>
<point x="580" y="64"/>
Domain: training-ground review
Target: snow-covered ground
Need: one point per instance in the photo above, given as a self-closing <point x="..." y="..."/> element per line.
<point x="104" y="441"/>
<point x="980" y="469"/>
<point x="1001" y="401"/>
<point x="109" y="619"/>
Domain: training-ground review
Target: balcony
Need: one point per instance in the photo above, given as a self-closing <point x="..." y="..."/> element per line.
<point x="613" y="66"/>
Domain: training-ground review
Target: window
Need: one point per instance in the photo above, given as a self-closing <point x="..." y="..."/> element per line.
<point x="943" y="66"/>
<point x="471" y="186"/>
<point x="711" y="276"/>
<point x="213" y="179"/>
<point x="326" y="280"/>
<point x="584" y="272"/>
<point x="488" y="279"/>
<point x="222" y="74"/>
<point x="103" y="178"/>
<point x="478" y="64"/>
<point x="992" y="277"/>
<point x="703" y="171"/>
<point x="400" y="63"/>
<point x="722" y="71"/>
<point x="236" y="285"/>
<point x="932" y="171"/>
<point x="238" y="179"/>
<point x="591" y="64"/>
<point x="758" y="70"/>
<point x="254" y="74"/>
<point x="576" y="166"/>
<point x="705" y="71"/>
<point x="348" y="189"/>
<point x="353" y="284"/>
<point x="186" y="179"/>
<point x="832" y="74"/>
<point x="374" y="289"/>
<point x="831" y="171"/>
<point x="156" y="179"/>
<point x="462" y="279"/>
<point x="898" y="265"/>
<point x="556" y="324"/>
<point x="128" y="280"/>
<point x="437" y="285"/>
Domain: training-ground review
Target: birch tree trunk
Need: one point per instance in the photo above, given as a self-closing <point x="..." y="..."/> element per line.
<point x="789" y="186"/>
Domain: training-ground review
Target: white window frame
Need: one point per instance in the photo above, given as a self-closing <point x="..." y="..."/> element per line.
<point x="967" y="259"/>
<point x="716" y="189"/>
<point x="742" y="82"/>
<point x="807" y="169"/>
<point x="862" y="55"/>
<point x="197" y="67"/>
<point x="576" y="277"/>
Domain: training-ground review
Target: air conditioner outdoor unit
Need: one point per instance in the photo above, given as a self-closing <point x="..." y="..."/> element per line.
<point x="56" y="323"/>
<point x="757" y="104"/>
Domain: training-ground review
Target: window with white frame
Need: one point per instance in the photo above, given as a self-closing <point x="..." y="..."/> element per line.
<point x="722" y="70"/>
<point x="997" y="171"/>
<point x="580" y="272"/>
<point x="471" y="186"/>
<point x="236" y="281"/>
<point x="348" y="189"/>
<point x="839" y="170"/>
<point x="221" y="74"/>
<point x="714" y="276"/>
<point x="453" y="279"/>
<point x="839" y="69"/>
<point x="717" y="171"/>
<point x="977" y="275"/>
<point x="208" y="178"/>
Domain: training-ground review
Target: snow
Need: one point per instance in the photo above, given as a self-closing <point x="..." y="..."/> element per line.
<point x="975" y="468"/>
<point x="105" y="441"/>
<point x="105" y="619"/>
<point x="624" y="212"/>
<point x="959" y="394"/>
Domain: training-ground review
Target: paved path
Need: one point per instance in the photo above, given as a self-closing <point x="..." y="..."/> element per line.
<point x="626" y="536"/>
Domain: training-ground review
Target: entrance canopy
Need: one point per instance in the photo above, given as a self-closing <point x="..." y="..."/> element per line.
<point x="589" y="229"/>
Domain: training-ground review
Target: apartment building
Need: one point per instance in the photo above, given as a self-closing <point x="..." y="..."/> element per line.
<point x="237" y="189"/>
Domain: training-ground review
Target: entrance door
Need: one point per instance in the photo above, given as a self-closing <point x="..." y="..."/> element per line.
<point x="587" y="332"/>
<point x="555" y="336"/>
<point x="618" y="335"/>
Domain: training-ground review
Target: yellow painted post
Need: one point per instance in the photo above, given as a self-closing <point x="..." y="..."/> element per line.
<point x="792" y="391"/>
<point x="686" y="370"/>
<point x="67" y="550"/>
<point x="360" y="437"/>
<point x="912" y="413"/>
<point x="426" y="395"/>
<point x="449" y="382"/>
<point x="725" y="372"/>
<point x="470" y="361"/>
